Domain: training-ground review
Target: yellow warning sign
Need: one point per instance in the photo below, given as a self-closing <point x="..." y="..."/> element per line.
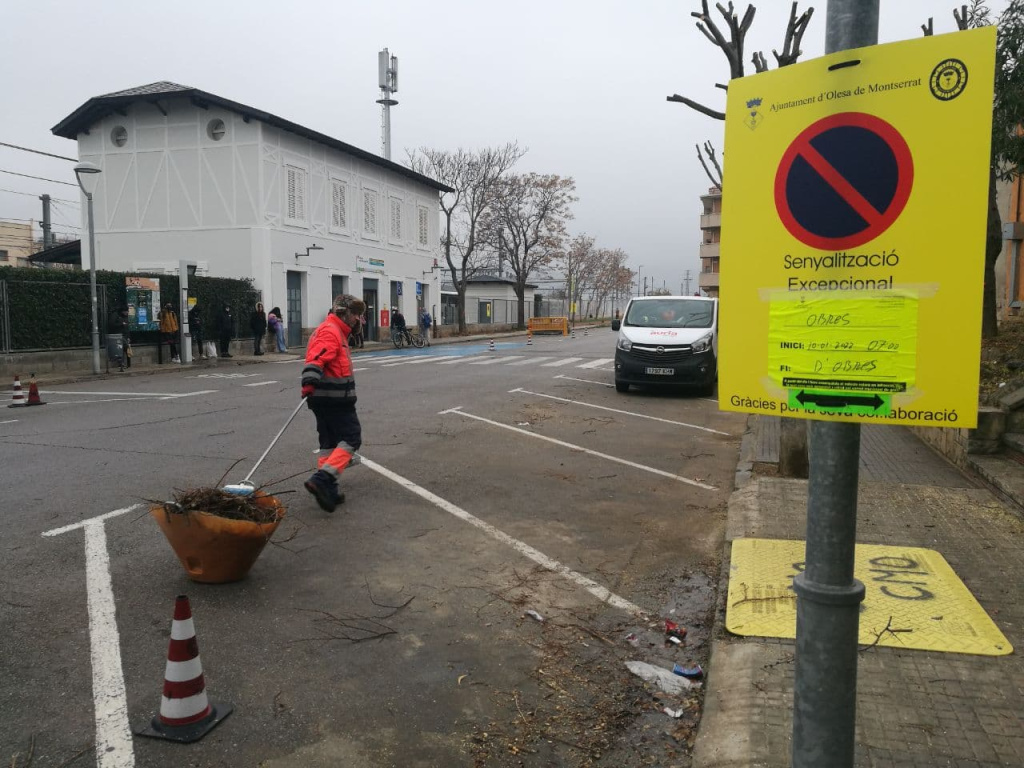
<point x="913" y="598"/>
<point x="849" y="290"/>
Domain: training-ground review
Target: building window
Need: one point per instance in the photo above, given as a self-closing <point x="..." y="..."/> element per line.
<point x="396" y="219"/>
<point x="119" y="136"/>
<point x="215" y="129"/>
<point x="369" y="212"/>
<point x="4" y="256"/>
<point x="339" y="204"/>
<point x="423" y="226"/>
<point x="296" y="195"/>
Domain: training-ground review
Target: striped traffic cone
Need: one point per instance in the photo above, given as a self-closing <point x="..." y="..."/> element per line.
<point x="33" y="391"/>
<point x="529" y="338"/>
<point x="586" y="331"/>
<point x="574" y="333"/>
<point x="19" y="397"/>
<point x="491" y="348"/>
<point x="186" y="715"/>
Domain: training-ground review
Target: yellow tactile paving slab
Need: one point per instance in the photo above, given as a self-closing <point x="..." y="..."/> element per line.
<point x="912" y="591"/>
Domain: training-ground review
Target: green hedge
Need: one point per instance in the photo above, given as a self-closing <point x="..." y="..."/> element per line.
<point x="50" y="308"/>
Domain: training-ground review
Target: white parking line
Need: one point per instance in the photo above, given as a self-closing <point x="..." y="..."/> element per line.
<point x="585" y="381"/>
<point x="559" y="363"/>
<point x="127" y="394"/>
<point x="597" y="363"/>
<point x="459" y="360"/>
<point x="286" y="362"/>
<point x="529" y="360"/>
<point x="494" y="360"/>
<point x="113" y="732"/>
<point x="459" y="412"/>
<point x="616" y="410"/>
<point x="261" y="383"/>
<point x="9" y="421"/>
<point x="416" y="360"/>
<point x="601" y="593"/>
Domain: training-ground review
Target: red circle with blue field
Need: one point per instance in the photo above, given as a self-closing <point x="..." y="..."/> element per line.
<point x="843" y="181"/>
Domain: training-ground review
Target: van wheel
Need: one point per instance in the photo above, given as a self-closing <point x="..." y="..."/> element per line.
<point x="621" y="386"/>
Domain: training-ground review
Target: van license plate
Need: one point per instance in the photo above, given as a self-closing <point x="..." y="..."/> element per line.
<point x="660" y="371"/>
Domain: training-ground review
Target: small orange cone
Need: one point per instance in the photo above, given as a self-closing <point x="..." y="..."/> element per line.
<point x="33" y="391"/>
<point x="186" y="715"/>
<point x="19" y="397"/>
<point x="529" y="338"/>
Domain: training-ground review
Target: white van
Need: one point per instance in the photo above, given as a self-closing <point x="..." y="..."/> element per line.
<point x="667" y="340"/>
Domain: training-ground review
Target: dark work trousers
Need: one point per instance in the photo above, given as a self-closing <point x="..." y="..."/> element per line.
<point x="225" y="343"/>
<point x="337" y="424"/>
<point x="172" y="342"/>
<point x="197" y="337"/>
<point x="257" y="343"/>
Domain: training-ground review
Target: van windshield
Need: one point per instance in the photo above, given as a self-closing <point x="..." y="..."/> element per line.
<point x="671" y="313"/>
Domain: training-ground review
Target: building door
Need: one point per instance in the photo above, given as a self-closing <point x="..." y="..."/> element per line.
<point x="339" y="285"/>
<point x="294" y="309"/>
<point x="372" y="314"/>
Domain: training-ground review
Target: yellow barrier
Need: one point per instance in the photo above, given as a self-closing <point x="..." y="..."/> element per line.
<point x="549" y="325"/>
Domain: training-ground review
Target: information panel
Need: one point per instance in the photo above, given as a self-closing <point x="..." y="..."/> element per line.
<point x="853" y="234"/>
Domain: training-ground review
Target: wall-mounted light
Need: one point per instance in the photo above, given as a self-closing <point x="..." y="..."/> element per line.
<point x="313" y="247"/>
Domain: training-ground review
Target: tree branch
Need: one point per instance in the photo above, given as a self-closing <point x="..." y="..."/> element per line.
<point x="717" y="182"/>
<point x="758" y="60"/>
<point x="929" y="28"/>
<point x="694" y="105"/>
<point x="714" y="160"/>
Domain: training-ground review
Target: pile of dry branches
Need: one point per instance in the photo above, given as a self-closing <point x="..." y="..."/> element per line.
<point x="215" y="501"/>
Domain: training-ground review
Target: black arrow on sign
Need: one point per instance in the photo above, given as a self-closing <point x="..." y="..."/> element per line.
<point x="838" y="401"/>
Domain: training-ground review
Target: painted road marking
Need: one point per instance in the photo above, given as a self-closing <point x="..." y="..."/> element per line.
<point x="224" y="376"/>
<point x="529" y="360"/>
<point x="459" y="412"/>
<point x="9" y="421"/>
<point x="616" y="410"/>
<point x="585" y="381"/>
<point x="907" y="588"/>
<point x="128" y="394"/>
<point x="597" y="363"/>
<point x="601" y="593"/>
<point x="459" y="360"/>
<point x="113" y="732"/>
<point x="285" y="362"/>
<point x="414" y="361"/>
<point x="559" y="363"/>
<point x="260" y="383"/>
<point x="494" y="360"/>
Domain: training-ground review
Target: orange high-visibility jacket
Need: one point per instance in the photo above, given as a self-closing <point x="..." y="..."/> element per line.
<point x="329" y="365"/>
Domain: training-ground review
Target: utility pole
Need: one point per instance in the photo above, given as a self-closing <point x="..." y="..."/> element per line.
<point x="828" y="595"/>
<point x="387" y="71"/>
<point x="686" y="281"/>
<point x="47" y="237"/>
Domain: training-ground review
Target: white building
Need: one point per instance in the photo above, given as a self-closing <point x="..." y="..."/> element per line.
<point x="244" y="193"/>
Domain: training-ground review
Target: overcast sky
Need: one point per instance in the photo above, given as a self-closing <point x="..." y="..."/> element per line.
<point x="581" y="83"/>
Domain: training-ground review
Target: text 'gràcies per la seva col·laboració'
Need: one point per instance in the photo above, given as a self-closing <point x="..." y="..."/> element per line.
<point x="842" y="260"/>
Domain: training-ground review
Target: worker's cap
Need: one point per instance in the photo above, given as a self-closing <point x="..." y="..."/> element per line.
<point x="345" y="302"/>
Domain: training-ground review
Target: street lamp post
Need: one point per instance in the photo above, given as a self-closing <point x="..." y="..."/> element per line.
<point x="186" y="269"/>
<point x="638" y="268"/>
<point x="87" y="176"/>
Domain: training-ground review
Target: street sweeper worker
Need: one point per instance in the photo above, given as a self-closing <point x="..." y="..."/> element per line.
<point x="330" y="393"/>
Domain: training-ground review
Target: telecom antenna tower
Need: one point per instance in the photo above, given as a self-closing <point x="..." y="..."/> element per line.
<point x="387" y="71"/>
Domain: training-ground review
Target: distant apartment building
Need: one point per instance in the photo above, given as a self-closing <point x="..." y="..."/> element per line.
<point x="711" y="236"/>
<point x="16" y="243"/>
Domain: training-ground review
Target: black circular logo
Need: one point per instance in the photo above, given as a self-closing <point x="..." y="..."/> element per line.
<point x="948" y="79"/>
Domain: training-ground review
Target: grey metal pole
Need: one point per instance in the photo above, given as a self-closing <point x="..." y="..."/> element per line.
<point x="47" y="237"/>
<point x="92" y="289"/>
<point x="828" y="596"/>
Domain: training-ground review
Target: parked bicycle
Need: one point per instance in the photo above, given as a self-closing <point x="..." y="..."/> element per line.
<point x="407" y="337"/>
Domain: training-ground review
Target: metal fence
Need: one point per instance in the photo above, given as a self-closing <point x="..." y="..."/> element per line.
<point x="37" y="316"/>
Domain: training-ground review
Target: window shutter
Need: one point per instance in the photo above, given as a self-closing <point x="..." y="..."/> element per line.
<point x="396" y="219"/>
<point x="296" y="194"/>
<point x="291" y="193"/>
<point x="370" y="211"/>
<point x="423" y="226"/>
<point x="339" y="219"/>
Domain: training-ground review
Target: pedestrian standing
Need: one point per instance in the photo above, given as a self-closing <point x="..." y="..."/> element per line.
<point x="169" y="330"/>
<point x="258" y="324"/>
<point x="329" y="388"/>
<point x="425" y="322"/>
<point x="278" y="328"/>
<point x="225" y="329"/>
<point x="195" y="327"/>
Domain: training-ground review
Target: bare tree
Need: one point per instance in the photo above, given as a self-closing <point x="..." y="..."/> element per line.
<point x="1007" y="140"/>
<point x="732" y="47"/>
<point x="527" y="224"/>
<point x="576" y="262"/>
<point x="473" y="176"/>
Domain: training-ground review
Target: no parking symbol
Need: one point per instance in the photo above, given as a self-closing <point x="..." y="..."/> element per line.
<point x="843" y="181"/>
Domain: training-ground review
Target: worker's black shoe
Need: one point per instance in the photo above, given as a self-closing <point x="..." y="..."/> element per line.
<point x="325" y="489"/>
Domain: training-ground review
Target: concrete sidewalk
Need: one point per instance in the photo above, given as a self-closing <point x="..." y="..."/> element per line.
<point x="915" y="709"/>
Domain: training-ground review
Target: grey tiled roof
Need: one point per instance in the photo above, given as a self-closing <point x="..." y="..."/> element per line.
<point x="163" y="86"/>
